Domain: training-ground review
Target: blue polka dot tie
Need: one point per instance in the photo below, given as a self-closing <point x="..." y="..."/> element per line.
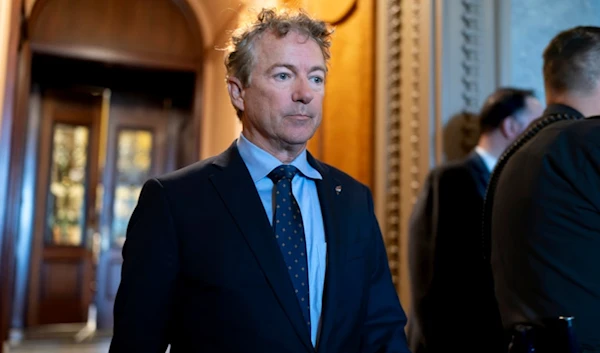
<point x="289" y="233"/>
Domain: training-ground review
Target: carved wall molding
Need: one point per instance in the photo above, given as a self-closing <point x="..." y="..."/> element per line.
<point x="471" y="20"/>
<point x="393" y="113"/>
<point x="470" y="47"/>
<point x="404" y="124"/>
<point x="416" y="95"/>
<point x="417" y="119"/>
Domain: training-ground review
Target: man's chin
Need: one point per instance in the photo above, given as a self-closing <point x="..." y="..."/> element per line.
<point x="300" y="138"/>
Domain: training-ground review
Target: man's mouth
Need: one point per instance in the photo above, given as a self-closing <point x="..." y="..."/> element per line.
<point x="299" y="116"/>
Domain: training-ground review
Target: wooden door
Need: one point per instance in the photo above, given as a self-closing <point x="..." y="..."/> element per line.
<point x="61" y="263"/>
<point x="142" y="140"/>
<point x="89" y="181"/>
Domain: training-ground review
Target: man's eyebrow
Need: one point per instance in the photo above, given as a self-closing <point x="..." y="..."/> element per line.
<point x="318" y="68"/>
<point x="293" y="68"/>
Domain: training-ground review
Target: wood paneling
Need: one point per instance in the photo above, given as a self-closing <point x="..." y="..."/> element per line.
<point x="345" y="139"/>
<point x="109" y="55"/>
<point x="65" y="292"/>
<point x="332" y="11"/>
<point x="154" y="32"/>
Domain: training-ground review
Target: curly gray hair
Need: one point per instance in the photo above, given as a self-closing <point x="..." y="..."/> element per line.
<point x="239" y="54"/>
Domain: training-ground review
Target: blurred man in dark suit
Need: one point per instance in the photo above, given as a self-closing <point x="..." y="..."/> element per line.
<point x="447" y="273"/>
<point x="545" y="199"/>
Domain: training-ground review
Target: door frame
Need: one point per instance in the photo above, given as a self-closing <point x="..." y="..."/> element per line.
<point x="40" y="252"/>
<point x="11" y="165"/>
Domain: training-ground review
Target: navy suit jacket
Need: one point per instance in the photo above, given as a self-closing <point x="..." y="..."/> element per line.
<point x="453" y="303"/>
<point x="545" y="227"/>
<point x="203" y="273"/>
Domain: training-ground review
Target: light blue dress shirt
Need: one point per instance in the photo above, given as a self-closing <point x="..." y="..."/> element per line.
<point x="260" y="163"/>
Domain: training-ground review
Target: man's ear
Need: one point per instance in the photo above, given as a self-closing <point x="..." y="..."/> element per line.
<point x="509" y="128"/>
<point x="236" y="92"/>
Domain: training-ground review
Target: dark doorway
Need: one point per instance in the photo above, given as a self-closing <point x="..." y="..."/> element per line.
<point x="103" y="131"/>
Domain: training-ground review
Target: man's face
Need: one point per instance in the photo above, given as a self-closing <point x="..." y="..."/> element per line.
<point x="282" y="104"/>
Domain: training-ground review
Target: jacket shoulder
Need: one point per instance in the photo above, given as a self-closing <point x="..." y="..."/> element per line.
<point x="451" y="168"/>
<point x="564" y="137"/>
<point x="193" y="172"/>
<point x="583" y="130"/>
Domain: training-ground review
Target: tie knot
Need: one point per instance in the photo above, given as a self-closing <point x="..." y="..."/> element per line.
<point x="283" y="171"/>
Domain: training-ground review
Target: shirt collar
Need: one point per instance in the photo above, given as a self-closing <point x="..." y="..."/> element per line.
<point x="489" y="160"/>
<point x="260" y="162"/>
<point x="557" y="108"/>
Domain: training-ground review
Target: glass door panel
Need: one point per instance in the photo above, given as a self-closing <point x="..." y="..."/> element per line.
<point x="134" y="166"/>
<point x="66" y="212"/>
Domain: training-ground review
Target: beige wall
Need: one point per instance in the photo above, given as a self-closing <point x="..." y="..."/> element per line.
<point x="220" y="125"/>
<point x="5" y="10"/>
<point x="29" y="6"/>
<point x="345" y="138"/>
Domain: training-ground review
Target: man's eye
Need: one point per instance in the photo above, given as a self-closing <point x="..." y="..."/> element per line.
<point x="317" y="79"/>
<point x="282" y="76"/>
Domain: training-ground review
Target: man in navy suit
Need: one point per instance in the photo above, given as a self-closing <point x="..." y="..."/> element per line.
<point x="453" y="305"/>
<point x="262" y="248"/>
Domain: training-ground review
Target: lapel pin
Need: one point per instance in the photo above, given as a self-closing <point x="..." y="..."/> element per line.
<point x="338" y="189"/>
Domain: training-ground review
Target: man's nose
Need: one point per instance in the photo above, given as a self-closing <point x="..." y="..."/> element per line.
<point x="303" y="92"/>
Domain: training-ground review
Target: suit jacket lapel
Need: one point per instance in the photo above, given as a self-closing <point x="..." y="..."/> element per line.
<point x="336" y="252"/>
<point x="239" y="194"/>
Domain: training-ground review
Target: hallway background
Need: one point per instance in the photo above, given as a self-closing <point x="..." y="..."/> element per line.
<point x="401" y="70"/>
